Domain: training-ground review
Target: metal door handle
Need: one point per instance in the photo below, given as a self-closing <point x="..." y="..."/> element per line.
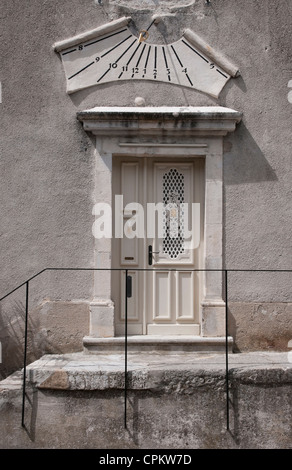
<point x="129" y="286"/>
<point x="150" y="254"/>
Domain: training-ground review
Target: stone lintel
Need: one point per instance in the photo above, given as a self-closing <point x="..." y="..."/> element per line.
<point x="148" y="121"/>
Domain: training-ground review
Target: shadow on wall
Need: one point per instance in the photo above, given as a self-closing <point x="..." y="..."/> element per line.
<point x="12" y="331"/>
<point x="244" y="161"/>
<point x="54" y="327"/>
<point x="31" y="408"/>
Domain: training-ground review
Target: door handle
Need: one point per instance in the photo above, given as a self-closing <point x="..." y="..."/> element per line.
<point x="129" y="286"/>
<point x="150" y="254"/>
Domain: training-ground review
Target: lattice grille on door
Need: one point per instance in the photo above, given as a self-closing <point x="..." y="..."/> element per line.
<point x="173" y="213"/>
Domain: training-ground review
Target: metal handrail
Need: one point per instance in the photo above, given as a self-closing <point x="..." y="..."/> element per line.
<point x="126" y="270"/>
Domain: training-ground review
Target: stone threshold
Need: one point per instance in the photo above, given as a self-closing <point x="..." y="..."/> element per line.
<point x="155" y="371"/>
<point x="151" y="343"/>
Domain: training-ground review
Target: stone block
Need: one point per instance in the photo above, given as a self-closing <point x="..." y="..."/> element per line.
<point x="102" y="318"/>
<point x="213" y="319"/>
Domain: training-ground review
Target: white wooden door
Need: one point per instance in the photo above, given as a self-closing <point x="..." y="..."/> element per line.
<point x="165" y="294"/>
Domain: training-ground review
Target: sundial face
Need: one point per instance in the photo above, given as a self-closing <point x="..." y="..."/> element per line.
<point x="119" y="55"/>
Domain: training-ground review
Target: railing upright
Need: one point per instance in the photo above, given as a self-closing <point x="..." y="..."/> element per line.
<point x="25" y="352"/>
<point x="126" y="349"/>
<point x="226" y="348"/>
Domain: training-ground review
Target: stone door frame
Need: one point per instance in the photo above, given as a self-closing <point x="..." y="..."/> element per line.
<point x="162" y="131"/>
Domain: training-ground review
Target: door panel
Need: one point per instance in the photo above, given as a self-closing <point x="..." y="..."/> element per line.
<point x="174" y="188"/>
<point x="130" y="192"/>
<point x="185" y="296"/>
<point x="127" y="252"/>
<point x="162" y="302"/>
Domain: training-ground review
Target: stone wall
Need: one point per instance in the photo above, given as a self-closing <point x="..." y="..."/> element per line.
<point x="260" y="326"/>
<point x="168" y="407"/>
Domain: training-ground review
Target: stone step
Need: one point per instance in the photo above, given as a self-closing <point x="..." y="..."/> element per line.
<point x="78" y="400"/>
<point x="155" y="344"/>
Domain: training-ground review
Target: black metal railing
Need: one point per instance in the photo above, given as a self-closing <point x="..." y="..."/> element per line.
<point x="128" y="289"/>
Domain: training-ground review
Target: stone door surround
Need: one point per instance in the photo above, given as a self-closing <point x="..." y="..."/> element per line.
<point x="162" y="131"/>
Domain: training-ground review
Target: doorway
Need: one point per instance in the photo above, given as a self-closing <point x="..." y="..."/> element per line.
<point x="141" y="137"/>
<point x="158" y="222"/>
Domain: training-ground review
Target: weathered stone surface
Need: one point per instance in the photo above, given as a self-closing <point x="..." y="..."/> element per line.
<point x="260" y="325"/>
<point x="166" y="344"/>
<point x="57" y="380"/>
<point x="172" y="403"/>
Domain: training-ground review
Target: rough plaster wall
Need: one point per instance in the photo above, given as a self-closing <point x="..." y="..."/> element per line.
<point x="47" y="161"/>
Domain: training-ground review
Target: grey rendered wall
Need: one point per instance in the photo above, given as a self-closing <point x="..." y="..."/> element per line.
<point x="47" y="161"/>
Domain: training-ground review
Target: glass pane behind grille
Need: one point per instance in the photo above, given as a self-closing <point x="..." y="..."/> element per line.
<point x="173" y="214"/>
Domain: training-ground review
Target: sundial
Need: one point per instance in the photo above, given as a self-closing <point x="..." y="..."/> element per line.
<point x="112" y="53"/>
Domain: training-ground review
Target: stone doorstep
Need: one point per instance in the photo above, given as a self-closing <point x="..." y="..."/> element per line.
<point x="149" y="343"/>
<point x="155" y="371"/>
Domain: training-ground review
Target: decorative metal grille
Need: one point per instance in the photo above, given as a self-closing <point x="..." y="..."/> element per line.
<point x="173" y="214"/>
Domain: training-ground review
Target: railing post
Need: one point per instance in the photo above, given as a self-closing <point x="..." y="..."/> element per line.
<point x="25" y="352"/>
<point x="126" y="349"/>
<point x="226" y="349"/>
